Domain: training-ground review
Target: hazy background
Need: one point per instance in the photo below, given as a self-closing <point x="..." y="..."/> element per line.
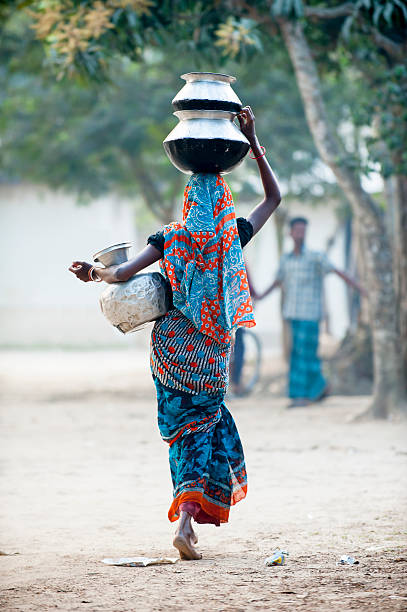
<point x="85" y="103"/>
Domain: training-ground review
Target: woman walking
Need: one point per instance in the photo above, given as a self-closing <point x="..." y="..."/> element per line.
<point x="202" y="259"/>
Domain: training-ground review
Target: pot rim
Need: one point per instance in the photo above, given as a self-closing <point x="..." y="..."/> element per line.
<point x="190" y="77"/>
<point x="205" y="114"/>
<point x="114" y="247"/>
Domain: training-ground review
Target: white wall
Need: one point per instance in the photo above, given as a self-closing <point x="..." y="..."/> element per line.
<point x="43" y="304"/>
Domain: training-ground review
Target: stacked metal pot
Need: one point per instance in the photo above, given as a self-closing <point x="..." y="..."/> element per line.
<point x="206" y="138"/>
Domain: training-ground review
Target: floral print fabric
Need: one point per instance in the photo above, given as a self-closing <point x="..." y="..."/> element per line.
<point x="203" y="260"/>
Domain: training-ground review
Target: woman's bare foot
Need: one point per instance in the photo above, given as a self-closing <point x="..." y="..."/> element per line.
<point x="185" y="538"/>
<point x="194" y="540"/>
<point x="187" y="551"/>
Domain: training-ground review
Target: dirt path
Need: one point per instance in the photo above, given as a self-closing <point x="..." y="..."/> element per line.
<point x="84" y="476"/>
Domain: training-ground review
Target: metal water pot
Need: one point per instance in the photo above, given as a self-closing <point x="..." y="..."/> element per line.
<point x="129" y="305"/>
<point x="207" y="91"/>
<point x="206" y="141"/>
<point x="113" y="255"/>
<point x="144" y="298"/>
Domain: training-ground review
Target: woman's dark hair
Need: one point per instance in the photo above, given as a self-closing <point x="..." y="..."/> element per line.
<point x="295" y="220"/>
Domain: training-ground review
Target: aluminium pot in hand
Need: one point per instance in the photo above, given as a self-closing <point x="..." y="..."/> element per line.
<point x="207" y="91"/>
<point x="113" y="255"/>
<point x="206" y="141"/>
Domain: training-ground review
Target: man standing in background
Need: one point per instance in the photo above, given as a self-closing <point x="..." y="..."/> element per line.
<point x="300" y="275"/>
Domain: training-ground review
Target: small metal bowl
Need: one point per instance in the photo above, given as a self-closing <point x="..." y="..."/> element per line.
<point x="113" y="255"/>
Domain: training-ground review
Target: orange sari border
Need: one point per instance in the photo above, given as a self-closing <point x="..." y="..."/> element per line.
<point x="219" y="513"/>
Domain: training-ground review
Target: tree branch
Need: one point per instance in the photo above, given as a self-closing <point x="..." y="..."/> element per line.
<point x="328" y="146"/>
<point x="322" y="12"/>
<point x="394" y="49"/>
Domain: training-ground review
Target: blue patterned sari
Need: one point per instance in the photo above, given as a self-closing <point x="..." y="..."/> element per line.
<point x="206" y="455"/>
<point x="190" y="349"/>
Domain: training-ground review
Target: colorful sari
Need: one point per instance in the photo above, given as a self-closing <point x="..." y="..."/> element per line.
<point x="203" y="260"/>
<point x="206" y="455"/>
<point x="190" y="350"/>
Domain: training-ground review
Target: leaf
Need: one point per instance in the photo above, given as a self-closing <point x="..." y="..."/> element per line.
<point x="132" y="18"/>
<point x="402" y="7"/>
<point x="376" y="15"/>
<point x="388" y="10"/>
<point x="347" y="26"/>
<point x="278" y="7"/>
<point x="298" y="8"/>
<point x="116" y="15"/>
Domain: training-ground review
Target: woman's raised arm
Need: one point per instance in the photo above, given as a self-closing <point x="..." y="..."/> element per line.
<point x="272" y="196"/>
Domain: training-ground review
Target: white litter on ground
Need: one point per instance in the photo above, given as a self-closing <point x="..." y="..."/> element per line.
<point x="140" y="561"/>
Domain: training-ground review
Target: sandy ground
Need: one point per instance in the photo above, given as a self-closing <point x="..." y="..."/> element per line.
<point x="84" y="476"/>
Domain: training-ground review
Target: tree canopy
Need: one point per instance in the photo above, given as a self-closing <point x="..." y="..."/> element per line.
<point x="91" y="137"/>
<point x="365" y="40"/>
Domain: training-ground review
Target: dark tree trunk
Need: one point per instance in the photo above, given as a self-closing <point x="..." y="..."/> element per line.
<point x="400" y="259"/>
<point x="388" y="391"/>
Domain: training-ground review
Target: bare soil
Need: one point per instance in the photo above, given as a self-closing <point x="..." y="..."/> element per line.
<point x="84" y="476"/>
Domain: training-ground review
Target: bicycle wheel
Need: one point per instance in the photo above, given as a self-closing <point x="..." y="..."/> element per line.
<point x="248" y="362"/>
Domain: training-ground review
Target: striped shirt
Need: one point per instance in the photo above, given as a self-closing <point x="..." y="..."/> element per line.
<point x="183" y="358"/>
<point x="302" y="277"/>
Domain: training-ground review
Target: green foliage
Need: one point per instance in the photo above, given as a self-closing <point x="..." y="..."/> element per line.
<point x="239" y="39"/>
<point x="86" y="138"/>
<point x="382" y="101"/>
<point x="390" y="106"/>
<point x="92" y="138"/>
<point x="74" y="48"/>
<point x="105" y="128"/>
<point x="288" y="8"/>
<point x="382" y="14"/>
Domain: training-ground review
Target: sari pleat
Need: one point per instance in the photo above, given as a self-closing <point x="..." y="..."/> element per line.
<point x="206" y="455"/>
